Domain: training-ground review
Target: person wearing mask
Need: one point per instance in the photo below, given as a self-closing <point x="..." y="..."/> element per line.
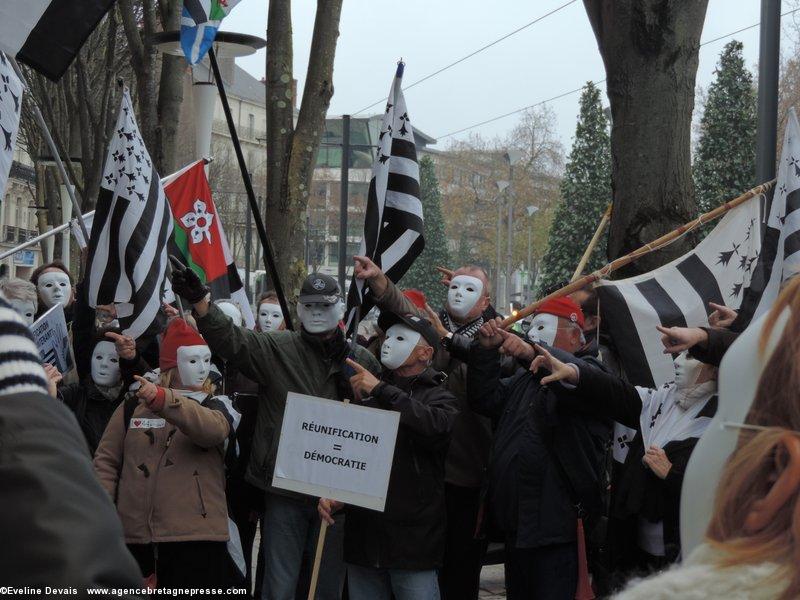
<point x="22" y="297"/>
<point x="164" y="467"/>
<point x="310" y="361"/>
<point x="269" y="314"/>
<point x="398" y="552"/>
<point x="467" y="308"/>
<point x="547" y="460"/>
<point x="54" y="285"/>
<point x="669" y="421"/>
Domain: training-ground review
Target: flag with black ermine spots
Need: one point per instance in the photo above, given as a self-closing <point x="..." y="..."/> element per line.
<point x="10" y="110"/>
<point x="393" y="224"/>
<point x="132" y="223"/>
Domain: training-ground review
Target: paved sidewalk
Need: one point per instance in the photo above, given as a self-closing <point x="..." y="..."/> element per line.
<point x="493" y="583"/>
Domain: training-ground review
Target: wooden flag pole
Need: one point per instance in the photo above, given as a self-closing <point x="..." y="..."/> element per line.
<point x="593" y="243"/>
<point x="664" y="240"/>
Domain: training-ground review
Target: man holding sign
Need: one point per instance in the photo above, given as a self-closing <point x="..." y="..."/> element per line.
<point x="399" y="551"/>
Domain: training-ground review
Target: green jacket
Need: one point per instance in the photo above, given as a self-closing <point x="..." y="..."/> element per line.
<point x="279" y="362"/>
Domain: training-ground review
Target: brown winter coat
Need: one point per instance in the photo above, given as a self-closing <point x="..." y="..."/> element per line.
<point x="172" y="483"/>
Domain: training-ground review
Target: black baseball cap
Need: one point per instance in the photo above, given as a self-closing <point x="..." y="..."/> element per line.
<point x="319" y="287"/>
<point x="419" y="324"/>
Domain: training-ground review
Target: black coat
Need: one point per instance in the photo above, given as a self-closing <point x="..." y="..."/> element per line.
<point x="410" y="533"/>
<point x="541" y="439"/>
<point x="91" y="408"/>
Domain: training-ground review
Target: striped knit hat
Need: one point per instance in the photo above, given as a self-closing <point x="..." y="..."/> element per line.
<point x="20" y="364"/>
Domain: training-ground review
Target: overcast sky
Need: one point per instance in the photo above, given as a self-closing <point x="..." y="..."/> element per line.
<point x="549" y="58"/>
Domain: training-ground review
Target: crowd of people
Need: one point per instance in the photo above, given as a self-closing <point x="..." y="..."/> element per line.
<point x="150" y="463"/>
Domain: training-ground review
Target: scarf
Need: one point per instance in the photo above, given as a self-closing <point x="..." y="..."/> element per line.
<point x="468" y="329"/>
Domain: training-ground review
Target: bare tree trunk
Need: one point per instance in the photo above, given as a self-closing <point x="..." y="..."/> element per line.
<point x="170" y="91"/>
<point x="650" y="50"/>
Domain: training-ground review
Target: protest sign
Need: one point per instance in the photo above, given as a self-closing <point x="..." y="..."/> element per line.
<point x="52" y="338"/>
<point x="335" y="450"/>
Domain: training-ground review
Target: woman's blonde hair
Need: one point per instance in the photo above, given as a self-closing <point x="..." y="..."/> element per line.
<point x="750" y="471"/>
<point x="166" y="377"/>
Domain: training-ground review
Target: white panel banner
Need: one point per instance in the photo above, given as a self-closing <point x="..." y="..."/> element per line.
<point x="334" y="450"/>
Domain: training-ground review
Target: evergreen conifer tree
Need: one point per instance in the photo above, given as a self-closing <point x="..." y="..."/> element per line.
<point x="423" y="274"/>
<point x="585" y="195"/>
<point x="725" y="160"/>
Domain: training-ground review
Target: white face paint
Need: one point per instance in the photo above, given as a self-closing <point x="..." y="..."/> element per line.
<point x="687" y="370"/>
<point x="544" y="328"/>
<point x="270" y="316"/>
<point x="105" y="364"/>
<point x="194" y="365"/>
<point x="232" y="311"/>
<point x="319" y="317"/>
<point x="463" y="295"/>
<point x="26" y="308"/>
<point x="54" y="288"/>
<point x="399" y="344"/>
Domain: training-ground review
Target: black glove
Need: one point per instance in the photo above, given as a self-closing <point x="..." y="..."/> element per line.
<point x="186" y="283"/>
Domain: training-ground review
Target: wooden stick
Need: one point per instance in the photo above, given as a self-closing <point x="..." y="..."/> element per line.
<point x="323" y="531"/>
<point x="446" y="272"/>
<point x="593" y="243"/>
<point x="638" y="253"/>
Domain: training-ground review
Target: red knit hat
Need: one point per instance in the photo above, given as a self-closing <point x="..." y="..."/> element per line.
<point x="417" y="298"/>
<point x="563" y="307"/>
<point x="178" y="333"/>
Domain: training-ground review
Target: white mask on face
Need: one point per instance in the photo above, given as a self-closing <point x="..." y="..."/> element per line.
<point x="319" y="317"/>
<point x="270" y="316"/>
<point x="232" y="311"/>
<point x="399" y="344"/>
<point x="544" y="328"/>
<point x="105" y="364"/>
<point x="54" y="288"/>
<point x="194" y="365"/>
<point x="688" y="392"/>
<point x="26" y="308"/>
<point x="463" y="295"/>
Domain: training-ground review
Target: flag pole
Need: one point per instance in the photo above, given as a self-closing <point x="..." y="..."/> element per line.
<point x="35" y="240"/>
<point x="268" y="255"/>
<point x="593" y="243"/>
<point x="657" y="244"/>
<point x="37" y="115"/>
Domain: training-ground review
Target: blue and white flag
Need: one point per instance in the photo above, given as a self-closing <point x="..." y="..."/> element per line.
<point x="199" y="24"/>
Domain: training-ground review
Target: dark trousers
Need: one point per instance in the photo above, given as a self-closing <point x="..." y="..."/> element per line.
<point x="460" y="574"/>
<point x="245" y="505"/>
<point x="186" y="564"/>
<point x="546" y="573"/>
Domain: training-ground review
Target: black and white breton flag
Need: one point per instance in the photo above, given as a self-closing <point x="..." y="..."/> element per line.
<point x="10" y="111"/>
<point x="780" y="254"/>
<point x="131" y="226"/>
<point x="718" y="269"/>
<point x="47" y="34"/>
<point x="393" y="225"/>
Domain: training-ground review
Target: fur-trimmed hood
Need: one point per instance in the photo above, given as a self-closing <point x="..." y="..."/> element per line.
<point x="698" y="578"/>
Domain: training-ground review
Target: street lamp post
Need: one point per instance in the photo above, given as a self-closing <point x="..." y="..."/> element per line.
<point x="531" y="210"/>
<point x="512" y="157"/>
<point x="501" y="187"/>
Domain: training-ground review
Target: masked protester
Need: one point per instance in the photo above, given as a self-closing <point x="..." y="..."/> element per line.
<point x="669" y="422"/>
<point x="269" y="315"/>
<point x="547" y="458"/>
<point x="165" y="470"/>
<point x="54" y="285"/>
<point x="467" y="308"/>
<point x="399" y="550"/>
<point x="310" y="361"/>
<point x="22" y="297"/>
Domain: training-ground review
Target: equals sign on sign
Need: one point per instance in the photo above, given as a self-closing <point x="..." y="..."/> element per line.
<point x="337" y="447"/>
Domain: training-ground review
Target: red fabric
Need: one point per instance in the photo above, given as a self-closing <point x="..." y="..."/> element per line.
<point x="417" y="298"/>
<point x="157" y="403"/>
<point x="584" y="590"/>
<point x="563" y="307"/>
<point x="179" y="333"/>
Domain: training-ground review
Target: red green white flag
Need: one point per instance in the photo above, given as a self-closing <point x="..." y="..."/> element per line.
<point x="198" y="238"/>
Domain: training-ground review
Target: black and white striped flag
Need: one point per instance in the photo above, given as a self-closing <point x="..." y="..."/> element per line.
<point x="131" y="226"/>
<point x="393" y="225"/>
<point x="780" y="255"/>
<point x="719" y="269"/>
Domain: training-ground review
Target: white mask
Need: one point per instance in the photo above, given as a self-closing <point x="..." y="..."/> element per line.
<point x="26" y="308"/>
<point x="319" y="317"/>
<point x="270" y="316"/>
<point x="194" y="365"/>
<point x="399" y="344"/>
<point x="687" y="370"/>
<point x="463" y="295"/>
<point x="54" y="288"/>
<point x="544" y="328"/>
<point x="105" y="364"/>
<point x="232" y="311"/>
